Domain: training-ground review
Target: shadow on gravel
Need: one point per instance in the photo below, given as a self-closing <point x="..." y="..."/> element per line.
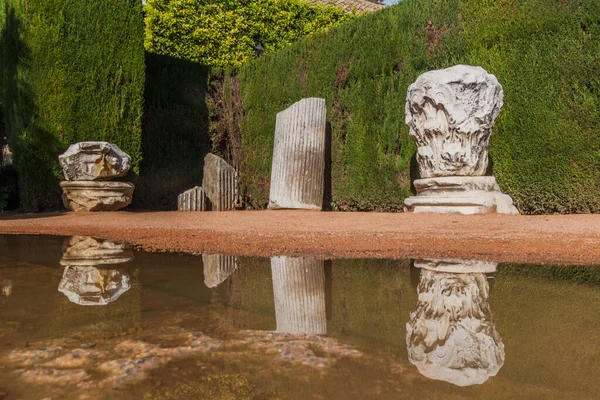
<point x="15" y="215"/>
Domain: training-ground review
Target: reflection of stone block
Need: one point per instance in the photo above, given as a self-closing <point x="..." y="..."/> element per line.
<point x="299" y="292"/>
<point x="298" y="171"/>
<point x="90" y="161"/>
<point x="460" y="194"/>
<point x="96" y="195"/>
<point x="217" y="268"/>
<point x="219" y="183"/>
<point x="192" y="200"/>
<point x="85" y="250"/>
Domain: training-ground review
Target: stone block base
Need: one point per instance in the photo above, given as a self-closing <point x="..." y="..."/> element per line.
<point x="460" y="194"/>
<point x="96" y="195"/>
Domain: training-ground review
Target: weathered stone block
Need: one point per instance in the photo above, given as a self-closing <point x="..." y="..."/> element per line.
<point x="298" y="170"/>
<point x="217" y="268"/>
<point x="451" y="335"/>
<point x="96" y="195"/>
<point x="90" y="161"/>
<point x="299" y="292"/>
<point x="219" y="182"/>
<point x="193" y="200"/>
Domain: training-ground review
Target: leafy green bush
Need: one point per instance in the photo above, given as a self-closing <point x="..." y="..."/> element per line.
<point x="223" y="33"/>
<point x="72" y="70"/>
<point x="545" y="148"/>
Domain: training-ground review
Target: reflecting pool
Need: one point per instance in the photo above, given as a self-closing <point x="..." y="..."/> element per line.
<point x="85" y="318"/>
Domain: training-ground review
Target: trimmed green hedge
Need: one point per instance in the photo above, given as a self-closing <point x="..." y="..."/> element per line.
<point x="545" y="151"/>
<point x="223" y="33"/>
<point x="72" y="70"/>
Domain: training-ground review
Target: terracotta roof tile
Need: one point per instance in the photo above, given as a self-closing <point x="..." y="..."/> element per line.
<point x="361" y="6"/>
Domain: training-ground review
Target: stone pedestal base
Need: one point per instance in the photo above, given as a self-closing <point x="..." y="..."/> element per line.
<point x="96" y="195"/>
<point x="460" y="194"/>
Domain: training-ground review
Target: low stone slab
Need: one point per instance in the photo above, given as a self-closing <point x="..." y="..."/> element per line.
<point x="460" y="194"/>
<point x="90" y="161"/>
<point x="96" y="195"/>
<point x="299" y="293"/>
<point x="219" y="182"/>
<point x="217" y="268"/>
<point x="193" y="200"/>
<point x="298" y="170"/>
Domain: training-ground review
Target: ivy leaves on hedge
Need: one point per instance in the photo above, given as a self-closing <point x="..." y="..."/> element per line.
<point x="223" y="33"/>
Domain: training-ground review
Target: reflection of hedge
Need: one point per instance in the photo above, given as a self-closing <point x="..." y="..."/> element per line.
<point x="545" y="148"/>
<point x="71" y="71"/>
<point x="223" y="33"/>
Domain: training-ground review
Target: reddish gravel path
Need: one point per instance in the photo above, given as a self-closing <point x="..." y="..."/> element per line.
<point x="570" y="239"/>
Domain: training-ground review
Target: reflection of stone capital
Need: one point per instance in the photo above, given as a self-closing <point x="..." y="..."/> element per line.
<point x="90" y="286"/>
<point x="451" y="335"/>
<point x="450" y="114"/>
<point x="299" y="292"/>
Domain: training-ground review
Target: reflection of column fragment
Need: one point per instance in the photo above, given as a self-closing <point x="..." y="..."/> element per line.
<point x="217" y="268"/>
<point x="299" y="292"/>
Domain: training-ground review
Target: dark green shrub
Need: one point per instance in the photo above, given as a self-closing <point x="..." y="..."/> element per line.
<point x="545" y="148"/>
<point x="223" y="33"/>
<point x="72" y="70"/>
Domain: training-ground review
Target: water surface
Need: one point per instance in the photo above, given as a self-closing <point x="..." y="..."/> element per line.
<point x="82" y="318"/>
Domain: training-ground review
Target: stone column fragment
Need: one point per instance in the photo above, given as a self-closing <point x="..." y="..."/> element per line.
<point x="299" y="292"/>
<point x="192" y="200"/>
<point x="219" y="183"/>
<point x="298" y="171"/>
<point x="217" y="268"/>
